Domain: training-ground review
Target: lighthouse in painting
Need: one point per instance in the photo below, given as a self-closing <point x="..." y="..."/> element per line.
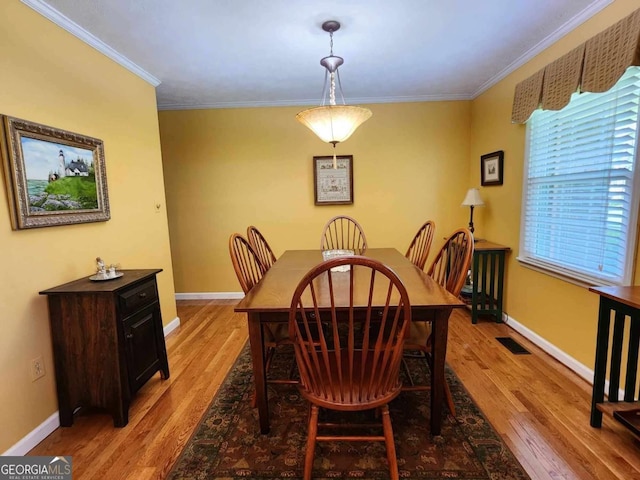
<point x="61" y="165"/>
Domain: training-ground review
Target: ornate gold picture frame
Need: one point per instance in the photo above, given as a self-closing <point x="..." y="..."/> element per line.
<point x="53" y="177"/>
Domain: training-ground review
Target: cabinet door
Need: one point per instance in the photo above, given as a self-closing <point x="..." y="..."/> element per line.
<point x="142" y="348"/>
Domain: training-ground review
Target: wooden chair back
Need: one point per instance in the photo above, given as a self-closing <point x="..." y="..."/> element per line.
<point x="246" y="263"/>
<point x="349" y="351"/>
<point x="261" y="247"/>
<point x="451" y="265"/>
<point x="343" y="233"/>
<point x="418" y="250"/>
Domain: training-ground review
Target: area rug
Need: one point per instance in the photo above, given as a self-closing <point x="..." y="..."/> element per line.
<point x="228" y="445"/>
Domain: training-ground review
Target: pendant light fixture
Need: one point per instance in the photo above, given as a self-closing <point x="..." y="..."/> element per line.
<point x="333" y="123"/>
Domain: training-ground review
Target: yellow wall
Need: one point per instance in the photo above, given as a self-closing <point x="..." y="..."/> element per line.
<point x="562" y="313"/>
<point x="227" y="169"/>
<point x="50" y="77"/>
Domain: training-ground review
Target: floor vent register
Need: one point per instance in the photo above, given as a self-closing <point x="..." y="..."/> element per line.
<point x="513" y="346"/>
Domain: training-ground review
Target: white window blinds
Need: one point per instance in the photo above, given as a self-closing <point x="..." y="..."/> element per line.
<point x="580" y="194"/>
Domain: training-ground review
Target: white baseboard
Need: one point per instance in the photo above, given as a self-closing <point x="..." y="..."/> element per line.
<point x="171" y="326"/>
<point x="33" y="438"/>
<point x="565" y="359"/>
<point x="47" y="427"/>
<point x="210" y="296"/>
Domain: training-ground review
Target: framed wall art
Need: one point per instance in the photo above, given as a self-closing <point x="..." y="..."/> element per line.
<point x="491" y="166"/>
<point x="333" y="186"/>
<point x="54" y="177"/>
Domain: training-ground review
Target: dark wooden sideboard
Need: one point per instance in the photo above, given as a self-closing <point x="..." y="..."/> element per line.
<point x="107" y="342"/>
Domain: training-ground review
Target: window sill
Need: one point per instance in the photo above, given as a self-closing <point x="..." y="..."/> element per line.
<point x="570" y="277"/>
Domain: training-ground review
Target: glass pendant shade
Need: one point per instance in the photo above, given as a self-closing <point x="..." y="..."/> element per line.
<point x="334" y="123"/>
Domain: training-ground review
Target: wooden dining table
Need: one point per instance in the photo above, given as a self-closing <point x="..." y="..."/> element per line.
<point x="269" y="301"/>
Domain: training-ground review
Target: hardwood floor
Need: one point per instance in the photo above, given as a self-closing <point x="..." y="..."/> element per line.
<point x="540" y="408"/>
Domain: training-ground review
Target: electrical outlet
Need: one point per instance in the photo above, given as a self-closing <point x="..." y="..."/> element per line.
<point x="37" y="368"/>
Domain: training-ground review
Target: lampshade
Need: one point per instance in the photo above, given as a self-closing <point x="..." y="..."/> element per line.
<point x="472" y="198"/>
<point x="334" y="123"/>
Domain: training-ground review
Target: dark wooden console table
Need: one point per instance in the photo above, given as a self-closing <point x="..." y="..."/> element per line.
<point x="107" y="342"/>
<point x="488" y="279"/>
<point x="625" y="303"/>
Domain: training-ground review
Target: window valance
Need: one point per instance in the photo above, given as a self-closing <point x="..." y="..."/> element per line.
<point x="594" y="66"/>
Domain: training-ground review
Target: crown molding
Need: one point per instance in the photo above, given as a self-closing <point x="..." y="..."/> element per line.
<point x="73" y="28"/>
<point x="64" y="22"/>
<point x="311" y="103"/>
<point x="570" y="25"/>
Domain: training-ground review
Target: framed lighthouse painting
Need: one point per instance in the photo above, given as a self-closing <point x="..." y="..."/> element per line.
<point x="53" y="177"/>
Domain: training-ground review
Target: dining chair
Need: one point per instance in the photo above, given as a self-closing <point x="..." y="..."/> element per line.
<point x="246" y="263"/>
<point x="449" y="269"/>
<point x="261" y="247"/>
<point x="249" y="271"/>
<point x="418" y="250"/>
<point x="345" y="364"/>
<point x="343" y="233"/>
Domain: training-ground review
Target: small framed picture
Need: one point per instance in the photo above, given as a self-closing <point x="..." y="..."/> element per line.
<point x="333" y="182"/>
<point x="491" y="166"/>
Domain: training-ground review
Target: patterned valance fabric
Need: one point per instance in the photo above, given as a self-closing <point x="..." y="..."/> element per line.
<point x="608" y="54"/>
<point x="594" y="66"/>
<point x="527" y="97"/>
<point x="562" y="79"/>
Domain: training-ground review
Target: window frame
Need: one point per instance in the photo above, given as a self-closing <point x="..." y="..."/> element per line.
<point x="564" y="272"/>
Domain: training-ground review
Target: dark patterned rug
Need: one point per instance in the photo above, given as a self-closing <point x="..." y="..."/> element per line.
<point x="228" y="445"/>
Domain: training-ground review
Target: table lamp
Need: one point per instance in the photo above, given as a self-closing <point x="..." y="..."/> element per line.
<point x="472" y="199"/>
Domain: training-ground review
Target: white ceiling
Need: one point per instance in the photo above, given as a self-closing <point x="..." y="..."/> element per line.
<point x="233" y="53"/>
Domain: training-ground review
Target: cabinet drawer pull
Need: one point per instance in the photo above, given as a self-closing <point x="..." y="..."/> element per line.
<point x="129" y="336"/>
<point x="142" y="295"/>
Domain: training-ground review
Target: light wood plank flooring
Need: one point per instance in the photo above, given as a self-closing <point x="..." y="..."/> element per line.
<point x="540" y="408"/>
